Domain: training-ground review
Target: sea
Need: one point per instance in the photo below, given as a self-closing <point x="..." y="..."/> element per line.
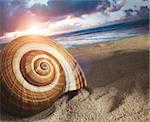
<point x="105" y="33"/>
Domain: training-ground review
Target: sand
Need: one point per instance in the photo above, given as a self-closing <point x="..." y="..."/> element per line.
<point x="118" y="79"/>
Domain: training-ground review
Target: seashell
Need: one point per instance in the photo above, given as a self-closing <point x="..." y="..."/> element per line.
<point x="34" y="72"/>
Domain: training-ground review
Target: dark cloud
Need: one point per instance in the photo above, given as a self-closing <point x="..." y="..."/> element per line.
<point x="137" y="13"/>
<point x="75" y="8"/>
<point x="16" y="14"/>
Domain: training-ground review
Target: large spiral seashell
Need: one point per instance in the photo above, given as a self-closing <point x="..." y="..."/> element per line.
<point x="34" y="72"/>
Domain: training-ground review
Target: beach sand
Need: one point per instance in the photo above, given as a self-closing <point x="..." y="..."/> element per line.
<point x="118" y="79"/>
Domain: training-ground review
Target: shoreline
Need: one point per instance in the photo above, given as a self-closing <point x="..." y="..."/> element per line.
<point x="109" y="41"/>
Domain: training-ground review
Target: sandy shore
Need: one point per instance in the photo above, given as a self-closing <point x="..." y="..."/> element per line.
<point x="117" y="74"/>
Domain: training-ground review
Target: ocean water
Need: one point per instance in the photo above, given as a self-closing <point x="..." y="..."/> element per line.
<point x="99" y="34"/>
<point x="103" y="34"/>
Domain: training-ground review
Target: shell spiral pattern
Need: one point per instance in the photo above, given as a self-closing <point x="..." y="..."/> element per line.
<point x="34" y="72"/>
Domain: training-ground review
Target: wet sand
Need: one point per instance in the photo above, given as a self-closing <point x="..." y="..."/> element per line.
<point x="118" y="78"/>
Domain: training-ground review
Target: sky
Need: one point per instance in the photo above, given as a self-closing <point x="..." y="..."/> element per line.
<point x="50" y="17"/>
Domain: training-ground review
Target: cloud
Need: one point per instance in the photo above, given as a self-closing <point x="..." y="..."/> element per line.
<point x="137" y="13"/>
<point x="75" y="8"/>
<point x="18" y="14"/>
<point x="59" y="8"/>
<point x="14" y="14"/>
<point x="115" y="6"/>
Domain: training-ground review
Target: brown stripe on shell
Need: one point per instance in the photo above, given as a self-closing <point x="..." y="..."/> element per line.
<point x="37" y="78"/>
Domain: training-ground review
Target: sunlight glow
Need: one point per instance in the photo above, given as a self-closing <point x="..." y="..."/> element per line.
<point x="33" y="30"/>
